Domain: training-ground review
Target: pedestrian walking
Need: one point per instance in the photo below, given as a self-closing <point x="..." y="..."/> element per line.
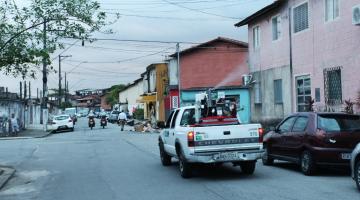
<point x="122" y="119"/>
<point x="14" y="125"/>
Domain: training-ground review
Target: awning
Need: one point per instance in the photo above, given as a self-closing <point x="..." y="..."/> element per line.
<point x="147" y="99"/>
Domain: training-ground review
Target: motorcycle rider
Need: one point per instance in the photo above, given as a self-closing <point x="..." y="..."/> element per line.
<point x="91" y="117"/>
<point x="122" y="119"/>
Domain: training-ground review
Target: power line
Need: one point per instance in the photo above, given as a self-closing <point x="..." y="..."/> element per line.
<point x="200" y="11"/>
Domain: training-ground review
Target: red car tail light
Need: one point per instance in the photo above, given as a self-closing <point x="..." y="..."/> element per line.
<point x="191" y="140"/>
<point x="261" y="134"/>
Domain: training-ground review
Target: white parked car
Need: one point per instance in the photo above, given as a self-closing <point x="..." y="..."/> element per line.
<point x="61" y="122"/>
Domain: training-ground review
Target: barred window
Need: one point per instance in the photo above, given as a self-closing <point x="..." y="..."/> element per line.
<point x="301" y="17"/>
<point x="333" y="88"/>
<point x="257" y="88"/>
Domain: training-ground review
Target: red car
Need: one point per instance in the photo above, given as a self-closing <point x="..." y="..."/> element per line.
<point x="311" y="139"/>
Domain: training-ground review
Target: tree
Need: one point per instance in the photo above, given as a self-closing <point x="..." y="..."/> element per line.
<point x="22" y="31"/>
<point x="112" y="97"/>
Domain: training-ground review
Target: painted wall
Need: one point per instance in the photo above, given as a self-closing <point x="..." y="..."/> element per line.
<point x="243" y="107"/>
<point x="131" y="96"/>
<point x="161" y="80"/>
<point x="323" y="45"/>
<point x="208" y="67"/>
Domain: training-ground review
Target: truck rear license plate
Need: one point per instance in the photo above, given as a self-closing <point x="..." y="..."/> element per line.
<point x="346" y="156"/>
<point x="226" y="156"/>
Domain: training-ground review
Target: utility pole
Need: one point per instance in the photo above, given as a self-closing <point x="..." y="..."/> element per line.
<point x="29" y="90"/>
<point x="44" y="115"/>
<point x="25" y="90"/>
<point x="20" y="90"/>
<point x="178" y="70"/>
<point x="65" y="89"/>
<point x="59" y="93"/>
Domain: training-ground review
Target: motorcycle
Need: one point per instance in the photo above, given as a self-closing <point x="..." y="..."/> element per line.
<point x="103" y="121"/>
<point x="91" y="122"/>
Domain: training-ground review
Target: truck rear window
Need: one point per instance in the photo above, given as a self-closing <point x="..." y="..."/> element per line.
<point x="339" y="123"/>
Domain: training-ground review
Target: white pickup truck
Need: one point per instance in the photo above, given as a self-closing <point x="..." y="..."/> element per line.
<point x="215" y="139"/>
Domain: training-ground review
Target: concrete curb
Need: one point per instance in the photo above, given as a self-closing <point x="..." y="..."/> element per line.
<point x="23" y="138"/>
<point x="6" y="175"/>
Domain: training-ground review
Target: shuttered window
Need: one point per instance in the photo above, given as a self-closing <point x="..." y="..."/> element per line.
<point x="278" y="96"/>
<point x="301" y="17"/>
<point x="331" y="9"/>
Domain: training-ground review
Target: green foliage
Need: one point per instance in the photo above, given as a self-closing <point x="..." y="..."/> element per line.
<point x="112" y="97"/>
<point x="65" y="105"/>
<point x="22" y="33"/>
<point x="139" y="114"/>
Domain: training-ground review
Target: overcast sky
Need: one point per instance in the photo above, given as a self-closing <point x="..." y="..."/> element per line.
<point x="105" y="63"/>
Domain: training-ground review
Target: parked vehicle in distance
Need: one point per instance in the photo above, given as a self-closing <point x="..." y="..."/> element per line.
<point x="113" y="118"/>
<point x="216" y="139"/>
<point x="355" y="165"/>
<point x="60" y="123"/>
<point x="311" y="139"/>
<point x="72" y="113"/>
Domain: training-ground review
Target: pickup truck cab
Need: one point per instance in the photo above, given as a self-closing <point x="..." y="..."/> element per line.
<point x="215" y="139"/>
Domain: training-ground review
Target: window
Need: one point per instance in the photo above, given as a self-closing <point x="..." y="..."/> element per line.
<point x="174" y="119"/>
<point x="303" y="93"/>
<point x="338" y="122"/>
<point x="301" y="17"/>
<point x="300" y="124"/>
<point x="257" y="88"/>
<point x="168" y="121"/>
<point x="278" y="97"/>
<point x="188" y="117"/>
<point x="333" y="89"/>
<point x="286" y="125"/>
<point x="276" y="22"/>
<point x="331" y="9"/>
<point x="317" y="94"/>
<point x="256" y="37"/>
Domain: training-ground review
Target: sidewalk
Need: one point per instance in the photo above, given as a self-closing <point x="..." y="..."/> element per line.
<point x="28" y="134"/>
<point x="6" y="173"/>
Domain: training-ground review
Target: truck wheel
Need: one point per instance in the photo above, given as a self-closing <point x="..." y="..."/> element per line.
<point x="308" y="166"/>
<point x="165" y="158"/>
<point x="266" y="159"/>
<point x="184" y="167"/>
<point x="357" y="174"/>
<point x="248" y="167"/>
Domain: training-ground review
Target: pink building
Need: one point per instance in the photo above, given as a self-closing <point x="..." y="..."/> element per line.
<point x="318" y="59"/>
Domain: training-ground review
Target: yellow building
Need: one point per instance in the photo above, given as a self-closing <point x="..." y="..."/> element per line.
<point x="155" y="80"/>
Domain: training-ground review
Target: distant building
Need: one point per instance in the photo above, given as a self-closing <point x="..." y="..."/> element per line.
<point x="104" y="105"/>
<point x="91" y="102"/>
<point x="87" y="92"/>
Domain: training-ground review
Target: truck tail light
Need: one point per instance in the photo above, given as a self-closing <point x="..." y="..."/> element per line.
<point x="261" y="134"/>
<point x="190" y="137"/>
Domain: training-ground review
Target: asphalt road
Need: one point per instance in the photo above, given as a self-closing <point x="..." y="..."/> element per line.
<point x="107" y="164"/>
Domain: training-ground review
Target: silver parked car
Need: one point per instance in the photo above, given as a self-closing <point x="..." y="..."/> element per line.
<point x="355" y="165"/>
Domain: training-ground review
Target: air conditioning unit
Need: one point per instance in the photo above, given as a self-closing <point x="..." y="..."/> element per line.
<point x="247" y="78"/>
<point x="356" y="15"/>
